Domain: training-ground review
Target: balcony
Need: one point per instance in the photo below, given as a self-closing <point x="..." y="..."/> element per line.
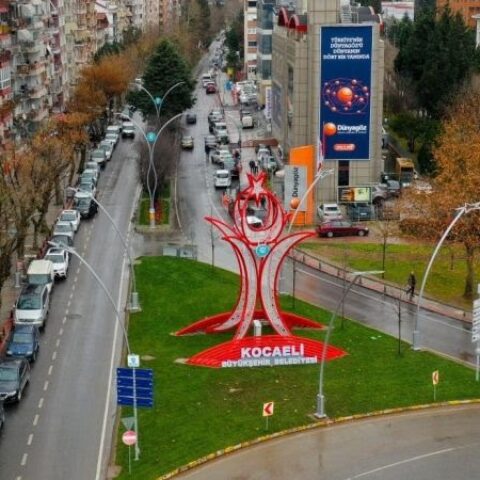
<point x="37" y="92"/>
<point x="31" y="47"/>
<point x="30" y="70"/>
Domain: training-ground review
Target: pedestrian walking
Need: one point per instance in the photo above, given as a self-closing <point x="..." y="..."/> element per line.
<point x="256" y="166"/>
<point x="251" y="164"/>
<point x="412" y="282"/>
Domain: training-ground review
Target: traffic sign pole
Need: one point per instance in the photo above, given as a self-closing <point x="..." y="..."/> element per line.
<point x="135" y="416"/>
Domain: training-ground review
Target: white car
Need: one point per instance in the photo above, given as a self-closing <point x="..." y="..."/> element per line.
<point x="93" y="166"/>
<point x="114" y="129"/>
<point x="72" y="216"/>
<point x="329" y="211"/>
<point x="222" y="179"/>
<point x="112" y="138"/>
<point x="108" y="147"/>
<point x="128" y="130"/>
<point x="63" y="228"/>
<point x="60" y="259"/>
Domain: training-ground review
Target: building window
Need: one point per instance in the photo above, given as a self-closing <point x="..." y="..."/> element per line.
<point x="5" y="77"/>
<point x="252" y="31"/>
<point x="252" y="4"/>
<point x="343" y="173"/>
<point x="252" y="44"/>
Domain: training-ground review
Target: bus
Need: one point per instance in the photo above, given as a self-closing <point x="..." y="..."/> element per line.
<point x="405" y="171"/>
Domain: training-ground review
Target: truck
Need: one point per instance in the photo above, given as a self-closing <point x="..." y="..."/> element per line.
<point x="405" y="171"/>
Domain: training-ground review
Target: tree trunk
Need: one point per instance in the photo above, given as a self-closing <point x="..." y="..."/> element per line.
<point x="470" y="278"/>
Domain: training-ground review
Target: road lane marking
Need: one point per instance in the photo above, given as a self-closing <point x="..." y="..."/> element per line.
<point x="60" y="332"/>
<point x="35" y="419"/>
<point x="40" y="403"/>
<point x="18" y="478"/>
<point x="69" y="303"/>
<point x="71" y="295"/>
<point x="24" y="460"/>
<point x="67" y="311"/>
<point x="78" y="270"/>
<point x="30" y="439"/>
<point x="45" y="386"/>
<point x="402" y="462"/>
<point x="50" y="368"/>
<point x="75" y="279"/>
<point x="57" y="343"/>
<point x="54" y="355"/>
<point x="64" y="320"/>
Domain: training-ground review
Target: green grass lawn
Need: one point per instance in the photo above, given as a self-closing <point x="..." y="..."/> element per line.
<point x="199" y="410"/>
<point x="446" y="281"/>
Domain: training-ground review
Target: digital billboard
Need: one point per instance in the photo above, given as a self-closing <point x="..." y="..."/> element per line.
<point x="354" y="194"/>
<point x="345" y="91"/>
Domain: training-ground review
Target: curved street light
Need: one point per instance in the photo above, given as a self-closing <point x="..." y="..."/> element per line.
<point x="468" y="207"/>
<point x="320" y="413"/>
<point x="151" y="138"/>
<point x="73" y="252"/>
<point x="134" y="305"/>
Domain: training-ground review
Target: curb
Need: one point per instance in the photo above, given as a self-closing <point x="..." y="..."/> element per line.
<point x="321" y="424"/>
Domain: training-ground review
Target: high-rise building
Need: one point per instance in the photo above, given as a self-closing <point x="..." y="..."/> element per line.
<point x="250" y="38"/>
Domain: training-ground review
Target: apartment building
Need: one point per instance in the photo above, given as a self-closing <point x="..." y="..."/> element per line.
<point x="6" y="91"/>
<point x="327" y="89"/>
<point x="250" y="38"/>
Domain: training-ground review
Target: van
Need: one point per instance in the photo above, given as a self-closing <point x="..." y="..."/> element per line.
<point x="41" y="272"/>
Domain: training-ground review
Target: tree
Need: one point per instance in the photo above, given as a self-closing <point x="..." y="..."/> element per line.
<point x="438" y="57"/>
<point x="457" y="159"/>
<point x="165" y="68"/>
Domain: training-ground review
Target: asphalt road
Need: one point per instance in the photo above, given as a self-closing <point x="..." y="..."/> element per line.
<point x="61" y="429"/>
<point x="421" y="445"/>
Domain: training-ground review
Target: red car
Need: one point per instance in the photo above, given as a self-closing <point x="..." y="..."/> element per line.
<point x="211" y="88"/>
<point x="340" y="228"/>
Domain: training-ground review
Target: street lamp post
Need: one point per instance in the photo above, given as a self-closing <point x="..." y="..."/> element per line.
<point x="468" y="207"/>
<point x="320" y="413"/>
<point x="73" y="252"/>
<point x="134" y="305"/>
<point x="157" y="103"/>
<point x="151" y="138"/>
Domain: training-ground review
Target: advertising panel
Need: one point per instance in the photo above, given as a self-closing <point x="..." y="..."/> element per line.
<point x="268" y="103"/>
<point x="295" y="186"/>
<point x="354" y="194"/>
<point x="277" y="105"/>
<point x="345" y="83"/>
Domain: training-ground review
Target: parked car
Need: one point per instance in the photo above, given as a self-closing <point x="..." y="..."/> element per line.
<point x="91" y="165"/>
<point x="248" y="121"/>
<point x="63" y="228"/>
<point x="98" y="155"/>
<point x="107" y="146"/>
<point x="24" y="342"/>
<point x="128" y="130"/>
<point x="85" y="205"/>
<point x="329" y="211"/>
<point x="214" y="116"/>
<point x="87" y="185"/>
<point x="14" y="378"/>
<point x="191" y="118"/>
<point x="187" y="142"/>
<point x="221" y="133"/>
<point x="222" y="179"/>
<point x="340" y="228"/>
<point x="89" y="174"/>
<point x="62" y="240"/>
<point x="359" y="211"/>
<point x="113" y="129"/>
<point x="32" y="306"/>
<point x="210" y="143"/>
<point x="206" y="79"/>
<point x="211" y="88"/>
<point x="71" y="216"/>
<point x="112" y="138"/>
<point x="60" y="259"/>
<point x="217" y="153"/>
<point x="40" y="272"/>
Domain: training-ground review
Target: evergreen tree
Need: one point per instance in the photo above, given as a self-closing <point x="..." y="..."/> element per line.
<point x="438" y="57"/>
<point x="165" y="68"/>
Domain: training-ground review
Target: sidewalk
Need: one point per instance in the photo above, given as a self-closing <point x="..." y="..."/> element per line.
<point x="388" y="289"/>
<point x="9" y="292"/>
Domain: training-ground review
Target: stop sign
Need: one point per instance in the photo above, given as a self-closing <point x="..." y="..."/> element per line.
<point x="129" y="437"/>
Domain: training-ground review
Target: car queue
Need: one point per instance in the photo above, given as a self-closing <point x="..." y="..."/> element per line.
<point x="31" y="308"/>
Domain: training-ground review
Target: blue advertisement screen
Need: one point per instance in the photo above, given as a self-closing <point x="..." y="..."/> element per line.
<point x="345" y="96"/>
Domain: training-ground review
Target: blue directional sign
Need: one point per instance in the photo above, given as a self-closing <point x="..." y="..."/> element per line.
<point x="140" y="391"/>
